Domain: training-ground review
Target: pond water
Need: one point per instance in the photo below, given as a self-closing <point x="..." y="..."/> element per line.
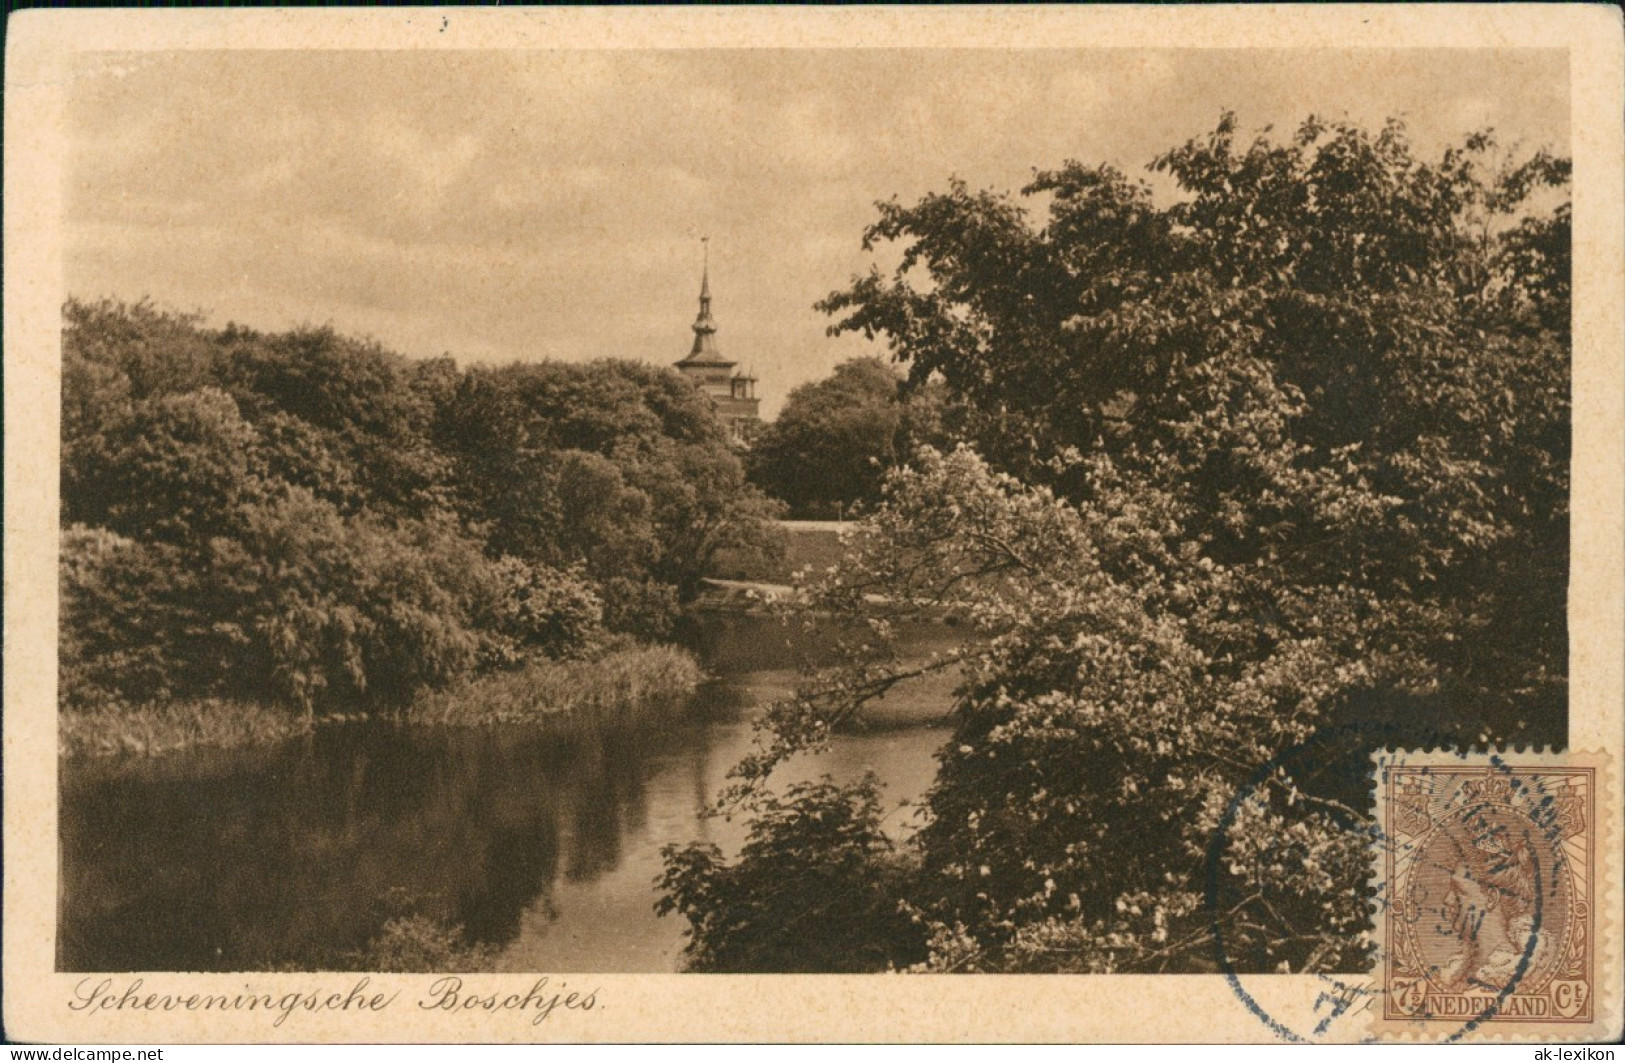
<point x="544" y="843"/>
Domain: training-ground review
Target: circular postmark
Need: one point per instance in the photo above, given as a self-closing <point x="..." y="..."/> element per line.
<point x="1469" y="885"/>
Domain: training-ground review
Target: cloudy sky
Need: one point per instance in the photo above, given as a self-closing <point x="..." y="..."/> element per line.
<point x="549" y="204"/>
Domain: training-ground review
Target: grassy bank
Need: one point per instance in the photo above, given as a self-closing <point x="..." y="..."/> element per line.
<point x="149" y="730"/>
<point x="619" y="680"/>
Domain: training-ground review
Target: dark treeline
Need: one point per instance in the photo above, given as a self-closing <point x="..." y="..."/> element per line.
<point x="311" y="520"/>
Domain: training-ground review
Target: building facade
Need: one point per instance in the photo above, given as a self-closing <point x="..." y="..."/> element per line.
<point x="731" y="389"/>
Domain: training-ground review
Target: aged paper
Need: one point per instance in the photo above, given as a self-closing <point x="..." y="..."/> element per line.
<point x="48" y="50"/>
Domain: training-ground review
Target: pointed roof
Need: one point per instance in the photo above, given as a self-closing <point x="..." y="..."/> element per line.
<point x="704" y="352"/>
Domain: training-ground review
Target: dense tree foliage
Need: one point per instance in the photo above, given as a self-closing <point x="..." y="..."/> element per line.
<point x="831" y="446"/>
<point x="311" y="519"/>
<point x="619" y="468"/>
<point x="1256" y="481"/>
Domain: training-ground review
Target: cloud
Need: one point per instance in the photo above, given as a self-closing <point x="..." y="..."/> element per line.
<point x="522" y="204"/>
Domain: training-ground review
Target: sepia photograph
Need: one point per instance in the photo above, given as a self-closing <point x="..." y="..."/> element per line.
<point x="524" y="514"/>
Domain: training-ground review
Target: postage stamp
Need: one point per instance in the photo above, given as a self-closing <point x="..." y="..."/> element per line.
<point x="1487" y="878"/>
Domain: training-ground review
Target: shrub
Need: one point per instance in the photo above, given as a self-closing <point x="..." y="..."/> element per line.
<point x="540" y="610"/>
<point x="818" y="887"/>
<point x="418" y="944"/>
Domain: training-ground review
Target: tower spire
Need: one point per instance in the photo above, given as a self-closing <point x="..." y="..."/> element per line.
<point x="705" y="271"/>
<point x="705" y="329"/>
<point x="731" y="393"/>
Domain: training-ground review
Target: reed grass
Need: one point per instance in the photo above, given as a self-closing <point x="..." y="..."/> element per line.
<point x="619" y="681"/>
<point x="149" y="730"/>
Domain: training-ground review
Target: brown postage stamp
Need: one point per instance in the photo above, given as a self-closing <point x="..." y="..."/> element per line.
<point x="1487" y="878"/>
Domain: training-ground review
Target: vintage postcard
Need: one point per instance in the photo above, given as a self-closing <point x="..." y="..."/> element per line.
<point x="1045" y="524"/>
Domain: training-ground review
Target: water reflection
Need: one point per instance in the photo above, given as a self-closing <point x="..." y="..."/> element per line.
<point x="543" y="842"/>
